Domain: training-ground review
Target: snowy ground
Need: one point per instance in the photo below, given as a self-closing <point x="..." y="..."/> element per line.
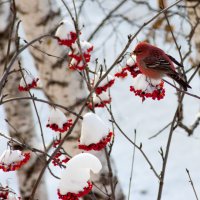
<point x="147" y="118"/>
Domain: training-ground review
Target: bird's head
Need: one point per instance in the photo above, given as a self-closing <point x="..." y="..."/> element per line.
<point x="141" y="49"/>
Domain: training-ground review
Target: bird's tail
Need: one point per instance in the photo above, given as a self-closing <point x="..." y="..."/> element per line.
<point x="175" y="76"/>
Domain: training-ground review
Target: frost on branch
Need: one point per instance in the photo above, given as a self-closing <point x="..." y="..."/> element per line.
<point x="106" y="83"/>
<point x="12" y="160"/>
<point x="75" y="179"/>
<point x="66" y="33"/>
<point x="27" y="82"/>
<point x="95" y="135"/>
<point x="58" y="121"/>
<point x="148" y="88"/>
<point x="100" y="101"/>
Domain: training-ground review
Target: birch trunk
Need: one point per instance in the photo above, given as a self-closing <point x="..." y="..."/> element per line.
<point x="60" y="85"/>
<point x="193" y="8"/>
<point x="19" y="113"/>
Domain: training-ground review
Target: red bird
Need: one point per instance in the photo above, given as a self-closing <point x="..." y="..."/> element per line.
<point x="155" y="63"/>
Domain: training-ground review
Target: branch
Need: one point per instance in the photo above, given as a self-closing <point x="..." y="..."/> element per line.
<point x="40" y="100"/>
<point x="191" y="182"/>
<point x="105" y="19"/>
<point x="5" y="74"/>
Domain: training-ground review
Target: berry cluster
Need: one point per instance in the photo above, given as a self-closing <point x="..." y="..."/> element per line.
<point x="73" y="196"/>
<point x="134" y="70"/>
<point x="104" y="88"/>
<point x="58" y="161"/>
<point x="28" y="86"/>
<point x="7" y="193"/>
<point x="56" y="143"/>
<point x="68" y="42"/>
<point x="15" y="165"/>
<point x="158" y="93"/>
<point x="98" y="146"/>
<point x="102" y="104"/>
<point x="65" y="127"/>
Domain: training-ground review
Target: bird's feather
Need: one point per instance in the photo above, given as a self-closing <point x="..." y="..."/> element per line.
<point x="155" y="63"/>
<point x="175" y="61"/>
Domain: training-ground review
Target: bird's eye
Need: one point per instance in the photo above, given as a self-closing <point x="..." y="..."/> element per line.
<point x="136" y="52"/>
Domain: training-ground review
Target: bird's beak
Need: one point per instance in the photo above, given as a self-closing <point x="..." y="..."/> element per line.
<point x="133" y="53"/>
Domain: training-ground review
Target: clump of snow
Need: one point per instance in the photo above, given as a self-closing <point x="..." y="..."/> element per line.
<point x="93" y="129"/>
<point x="64" y="29"/>
<point x="57" y="117"/>
<point x="100" y="100"/>
<point x="27" y="82"/>
<point x="10" y="156"/>
<point x="148" y="88"/>
<point x="105" y="81"/>
<point x="77" y="173"/>
<point x="86" y="46"/>
<point x="66" y="33"/>
<point x="12" y="196"/>
<point x="86" y="49"/>
<point x="58" y="121"/>
<point x="12" y="160"/>
<point x="141" y="82"/>
<point x="97" y="99"/>
<point x="131" y="61"/>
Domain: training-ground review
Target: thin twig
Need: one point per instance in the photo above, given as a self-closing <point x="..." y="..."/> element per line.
<point x="132" y="165"/>
<point x="185" y="92"/>
<point x="160" y="131"/>
<point x="23" y="145"/>
<point x="110" y="175"/>
<point x="139" y="148"/>
<point x="40" y="100"/>
<point x="13" y="9"/>
<point x="105" y="19"/>
<point x="192" y="184"/>
<point x="5" y="74"/>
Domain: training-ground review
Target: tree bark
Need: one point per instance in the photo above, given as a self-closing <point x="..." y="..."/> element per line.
<point x="193" y="8"/>
<point x="19" y="113"/>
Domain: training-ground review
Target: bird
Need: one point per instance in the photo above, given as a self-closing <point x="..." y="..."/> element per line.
<point x="154" y="63"/>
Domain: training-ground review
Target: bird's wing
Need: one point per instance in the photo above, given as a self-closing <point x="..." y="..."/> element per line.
<point x="155" y="63"/>
<point x="175" y="61"/>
